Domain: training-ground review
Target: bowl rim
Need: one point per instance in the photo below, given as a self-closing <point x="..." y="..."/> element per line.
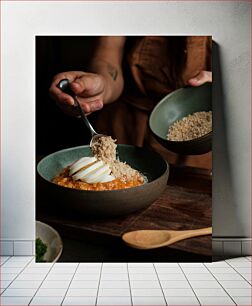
<point x="56" y="233"/>
<point x="166" y="170"/>
<point x="161" y="102"/>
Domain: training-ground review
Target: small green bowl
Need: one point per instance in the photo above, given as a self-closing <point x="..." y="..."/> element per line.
<point x="175" y="106"/>
<point x="109" y="202"/>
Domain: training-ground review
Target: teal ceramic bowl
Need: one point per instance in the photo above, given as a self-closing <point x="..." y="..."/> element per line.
<point x="175" y="106"/>
<point x="109" y="202"/>
<point x="52" y="239"/>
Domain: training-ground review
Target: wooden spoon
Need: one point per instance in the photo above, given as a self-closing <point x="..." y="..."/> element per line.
<point x="151" y="239"/>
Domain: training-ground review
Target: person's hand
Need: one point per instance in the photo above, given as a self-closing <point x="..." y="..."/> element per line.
<point x="88" y="87"/>
<point x="201" y="78"/>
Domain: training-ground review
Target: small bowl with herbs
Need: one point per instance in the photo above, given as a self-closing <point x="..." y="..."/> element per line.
<point x="48" y="243"/>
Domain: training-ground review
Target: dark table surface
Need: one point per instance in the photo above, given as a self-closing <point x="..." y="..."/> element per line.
<point x="185" y="204"/>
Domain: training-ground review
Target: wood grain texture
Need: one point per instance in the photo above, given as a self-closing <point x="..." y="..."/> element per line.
<point x="185" y="204"/>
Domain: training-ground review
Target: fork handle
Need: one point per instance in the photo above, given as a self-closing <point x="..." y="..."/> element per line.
<point x="64" y="86"/>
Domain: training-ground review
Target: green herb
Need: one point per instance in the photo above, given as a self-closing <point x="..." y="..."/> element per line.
<point x="41" y="249"/>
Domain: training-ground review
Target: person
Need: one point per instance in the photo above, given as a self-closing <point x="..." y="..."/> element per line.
<point x="128" y="76"/>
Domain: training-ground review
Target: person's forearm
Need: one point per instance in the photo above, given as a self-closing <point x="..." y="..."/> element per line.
<point x="107" y="61"/>
<point x="113" y="77"/>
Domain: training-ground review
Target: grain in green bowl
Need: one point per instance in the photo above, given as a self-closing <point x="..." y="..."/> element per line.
<point x="191" y="127"/>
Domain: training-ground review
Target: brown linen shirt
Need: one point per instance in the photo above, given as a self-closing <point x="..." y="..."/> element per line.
<point x="148" y="80"/>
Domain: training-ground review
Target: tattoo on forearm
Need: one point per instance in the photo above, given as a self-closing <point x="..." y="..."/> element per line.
<point x="112" y="71"/>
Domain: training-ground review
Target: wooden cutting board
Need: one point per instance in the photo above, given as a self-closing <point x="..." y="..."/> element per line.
<point x="185" y="204"/>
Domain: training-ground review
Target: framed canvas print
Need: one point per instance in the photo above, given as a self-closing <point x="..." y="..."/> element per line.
<point x="124" y="148"/>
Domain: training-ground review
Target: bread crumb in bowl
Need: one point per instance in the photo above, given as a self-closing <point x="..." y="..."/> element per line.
<point x="107" y="172"/>
<point x="191" y="127"/>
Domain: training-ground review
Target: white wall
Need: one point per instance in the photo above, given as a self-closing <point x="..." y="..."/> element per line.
<point x="228" y="22"/>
